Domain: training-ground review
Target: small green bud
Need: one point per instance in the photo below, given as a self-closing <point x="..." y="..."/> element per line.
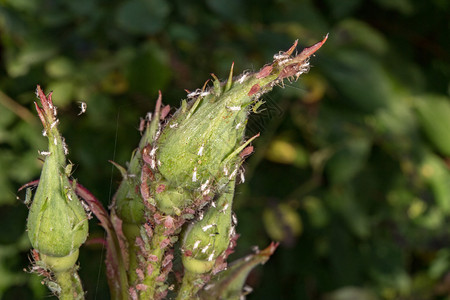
<point x="209" y="237"/>
<point x="57" y="222"/>
<point x="170" y="200"/>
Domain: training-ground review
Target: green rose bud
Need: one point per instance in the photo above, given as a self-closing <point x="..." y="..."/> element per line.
<point x="209" y="237"/>
<point x="202" y="141"/>
<point x="57" y="222"/>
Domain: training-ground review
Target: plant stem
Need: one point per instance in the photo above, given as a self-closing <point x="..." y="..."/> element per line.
<point x="131" y="232"/>
<point x="189" y="288"/>
<point x="70" y="284"/>
<point x="155" y="249"/>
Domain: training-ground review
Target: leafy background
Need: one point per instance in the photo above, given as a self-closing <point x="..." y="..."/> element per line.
<point x="351" y="171"/>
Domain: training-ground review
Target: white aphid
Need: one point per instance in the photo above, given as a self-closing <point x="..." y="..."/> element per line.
<point x="224" y="209"/>
<point x="83" y="107"/>
<point x="204" y="186"/>
<point x="206" y="227"/>
<point x="234" y="108"/>
<point x="241" y="80"/>
<point x="153" y="151"/>
<point x="200" y="151"/>
<point x="196" y="244"/>
<point x="242" y="177"/>
<point x="54" y="123"/>
<point x="205" y="248"/>
<point x="233" y="174"/>
<point x="194" y="175"/>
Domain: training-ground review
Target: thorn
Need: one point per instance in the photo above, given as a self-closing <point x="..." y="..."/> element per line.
<point x="291" y="50"/>
<point x="230" y="79"/>
<point x="307" y="52"/>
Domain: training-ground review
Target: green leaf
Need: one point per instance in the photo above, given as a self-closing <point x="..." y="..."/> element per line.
<point x="433" y="112"/>
<point x="229" y="284"/>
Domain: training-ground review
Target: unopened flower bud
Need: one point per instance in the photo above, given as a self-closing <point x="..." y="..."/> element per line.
<point x="57" y="222"/>
<point x="203" y="139"/>
<point x="208" y="238"/>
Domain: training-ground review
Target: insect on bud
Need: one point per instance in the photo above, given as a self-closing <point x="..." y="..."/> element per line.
<point x="57" y="222"/>
<point x="208" y="238"/>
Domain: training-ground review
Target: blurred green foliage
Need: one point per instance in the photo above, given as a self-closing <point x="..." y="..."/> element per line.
<point x="358" y="149"/>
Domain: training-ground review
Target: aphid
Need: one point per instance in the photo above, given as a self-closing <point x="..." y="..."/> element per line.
<point x="44" y="153"/>
<point x="83" y="108"/>
<point x="205" y="248"/>
<point x="28" y="196"/>
<point x="241" y="80"/>
<point x="242" y="177"/>
<point x="140" y="274"/>
<point x="234" y="108"/>
<point x="256" y="106"/>
<point x="194" y="175"/>
<point x="54" y="123"/>
<point x="225" y="208"/>
<point x="65" y="148"/>
<point x="194" y="93"/>
<point x="164" y="112"/>
<point x="255" y="88"/>
<point x="149" y="269"/>
<point x="68" y="170"/>
<point x="206" y="227"/>
<point x="152" y="257"/>
<point x="246" y="152"/>
<point x="204" y="186"/>
<point x="211" y="256"/>
<point x="141" y="125"/>
<point x="196" y="244"/>
<point x="234" y="219"/>
<point x="233" y="174"/>
<point x="200" y="151"/>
